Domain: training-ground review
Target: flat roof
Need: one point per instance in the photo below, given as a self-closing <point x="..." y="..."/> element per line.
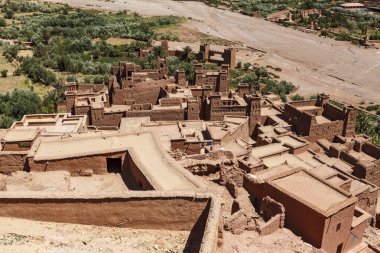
<point x="151" y="158"/>
<point x="269" y="111"/>
<point x="307" y="107"/>
<point x="288" y="139"/>
<point x="16" y="135"/>
<point x="310" y="190"/>
<point x="322" y="120"/>
<point x="268" y="150"/>
<point x="285" y="158"/>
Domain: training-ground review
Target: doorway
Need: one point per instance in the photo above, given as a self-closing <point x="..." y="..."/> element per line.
<point x="339" y="248"/>
<point x="114" y="165"/>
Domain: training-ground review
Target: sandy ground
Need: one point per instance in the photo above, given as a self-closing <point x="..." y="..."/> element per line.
<point x="315" y="64"/>
<point x="19" y="236"/>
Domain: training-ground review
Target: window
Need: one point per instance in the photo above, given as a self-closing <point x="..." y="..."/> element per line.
<point x="338" y="226"/>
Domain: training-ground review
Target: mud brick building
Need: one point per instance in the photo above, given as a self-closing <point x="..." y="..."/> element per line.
<point x="316" y="118"/>
<point x="325" y="216"/>
<point x="228" y="56"/>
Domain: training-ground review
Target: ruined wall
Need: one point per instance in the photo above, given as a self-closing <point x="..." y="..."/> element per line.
<point x="271" y="225"/>
<point x="12" y="161"/>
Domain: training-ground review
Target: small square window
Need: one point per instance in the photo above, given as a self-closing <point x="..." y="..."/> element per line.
<point x="338" y="226"/>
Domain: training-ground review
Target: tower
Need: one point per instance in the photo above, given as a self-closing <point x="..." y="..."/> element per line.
<point x="229" y="56"/>
<point x="349" y="121"/>
<point x="222" y="85"/>
<point x="198" y="78"/>
<point x="205" y="51"/>
<point x="165" y="46"/>
<point x="180" y="78"/>
<point x="322" y="99"/>
<point x="254" y="111"/>
<point x="193" y="110"/>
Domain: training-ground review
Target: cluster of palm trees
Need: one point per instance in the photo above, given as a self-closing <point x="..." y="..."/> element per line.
<point x="368" y="124"/>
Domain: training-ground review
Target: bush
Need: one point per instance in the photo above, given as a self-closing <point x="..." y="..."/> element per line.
<point x="238" y="65"/>
<point x="247" y="65"/>
<point x="4" y="73"/>
<point x="297" y="97"/>
<point x="2" y="22"/>
<point x="17" y="103"/>
<point x="8" y="14"/>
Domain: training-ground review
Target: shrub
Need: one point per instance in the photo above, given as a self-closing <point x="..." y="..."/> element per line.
<point x="4" y="73"/>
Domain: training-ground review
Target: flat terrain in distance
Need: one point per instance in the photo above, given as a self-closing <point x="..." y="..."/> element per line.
<point x="316" y="64"/>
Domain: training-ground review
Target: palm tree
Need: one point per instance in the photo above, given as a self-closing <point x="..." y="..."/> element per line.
<point x="188" y="54"/>
<point x="364" y="123"/>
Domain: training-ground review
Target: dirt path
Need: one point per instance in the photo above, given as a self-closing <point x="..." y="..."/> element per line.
<point x="313" y="63"/>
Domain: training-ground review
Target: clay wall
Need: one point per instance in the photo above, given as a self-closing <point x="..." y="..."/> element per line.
<point x="190" y="148"/>
<point x="140" y="93"/>
<point x="169" y="213"/>
<point x="97" y="163"/>
<point x="17" y="146"/>
<point x="302" y="103"/>
<point x="367" y="200"/>
<point x="332" y="112"/>
<point x="371" y="150"/>
<point x="160" y="115"/>
<point x="138" y="177"/>
<point x="325" y="130"/>
<point x="171" y="102"/>
<point x="12" y="161"/>
<point x="309" y="225"/>
<point x="232" y="188"/>
<point x="112" y="119"/>
<point x="337" y="230"/>
<point x="218" y="113"/>
<point x="300" y="121"/>
<point x="356" y="236"/>
<point x="271" y="225"/>
<point x="369" y="171"/>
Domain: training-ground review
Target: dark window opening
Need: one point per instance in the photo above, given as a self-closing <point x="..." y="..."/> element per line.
<point x="114" y="165"/>
<point x="338" y="226"/>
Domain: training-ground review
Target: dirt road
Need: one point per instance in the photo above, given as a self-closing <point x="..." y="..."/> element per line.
<point x="316" y="64"/>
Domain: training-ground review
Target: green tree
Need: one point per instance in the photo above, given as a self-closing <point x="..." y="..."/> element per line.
<point x="2" y="22"/>
<point x="6" y="121"/>
<point x="188" y="54"/>
<point x="4" y="73"/>
<point x="19" y="102"/>
<point x="9" y="14"/>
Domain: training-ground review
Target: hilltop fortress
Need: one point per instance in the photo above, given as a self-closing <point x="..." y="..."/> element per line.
<point x="199" y="158"/>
